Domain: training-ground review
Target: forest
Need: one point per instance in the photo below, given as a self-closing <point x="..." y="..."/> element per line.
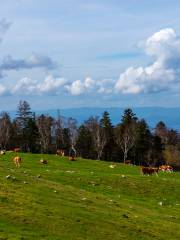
<point x="131" y="140"/>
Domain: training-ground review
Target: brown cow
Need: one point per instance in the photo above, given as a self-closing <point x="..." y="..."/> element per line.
<point x="60" y="152"/>
<point x="17" y="161"/>
<point x="17" y="149"/>
<point x="166" y="168"/>
<point x="128" y="162"/>
<point x="149" y="170"/>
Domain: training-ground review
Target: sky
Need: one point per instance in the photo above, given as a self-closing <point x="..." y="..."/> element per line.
<point x="99" y="53"/>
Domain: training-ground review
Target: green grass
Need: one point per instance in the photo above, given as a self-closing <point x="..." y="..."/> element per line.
<point x="85" y="199"/>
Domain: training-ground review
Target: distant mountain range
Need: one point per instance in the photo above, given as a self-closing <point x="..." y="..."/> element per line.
<point x="171" y="116"/>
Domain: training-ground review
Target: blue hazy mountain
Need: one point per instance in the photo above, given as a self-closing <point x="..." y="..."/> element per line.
<point x="171" y="116"/>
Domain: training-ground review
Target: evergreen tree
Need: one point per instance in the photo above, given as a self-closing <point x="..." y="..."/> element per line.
<point x="142" y="143"/>
<point x="24" y="115"/>
<point x="162" y="131"/>
<point x="107" y="127"/>
<point x="84" y="143"/>
<point x="33" y="135"/>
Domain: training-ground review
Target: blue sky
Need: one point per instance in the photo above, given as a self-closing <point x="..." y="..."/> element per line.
<point x="61" y="54"/>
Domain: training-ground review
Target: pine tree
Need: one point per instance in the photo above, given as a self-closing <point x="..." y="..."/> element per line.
<point x="142" y="143"/>
<point x="84" y="143"/>
<point x="107" y="127"/>
<point x="24" y="115"/>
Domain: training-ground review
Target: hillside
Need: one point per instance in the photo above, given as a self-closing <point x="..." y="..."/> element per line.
<point x="85" y="200"/>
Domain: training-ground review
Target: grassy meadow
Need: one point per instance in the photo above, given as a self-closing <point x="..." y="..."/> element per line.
<point x="85" y="199"/>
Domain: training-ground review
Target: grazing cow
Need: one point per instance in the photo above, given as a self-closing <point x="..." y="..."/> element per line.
<point x="149" y="170"/>
<point x="166" y="168"/>
<point x="42" y="161"/>
<point x="17" y="161"/>
<point x="17" y="149"/>
<point x="129" y="162"/>
<point x="60" y="152"/>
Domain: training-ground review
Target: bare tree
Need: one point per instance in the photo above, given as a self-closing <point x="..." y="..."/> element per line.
<point x="72" y="125"/>
<point x="98" y="135"/>
<point x="5" y="130"/>
<point x="58" y="131"/>
<point x="125" y="138"/>
<point x="125" y="133"/>
<point x="45" y="127"/>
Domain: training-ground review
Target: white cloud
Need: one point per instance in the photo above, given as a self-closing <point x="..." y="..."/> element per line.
<point x="89" y="83"/>
<point x="56" y="85"/>
<point x="51" y="85"/>
<point x="76" y="88"/>
<point x="79" y="87"/>
<point x="163" y="74"/>
<point x="27" y="86"/>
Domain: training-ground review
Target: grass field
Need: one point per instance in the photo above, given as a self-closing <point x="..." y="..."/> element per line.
<point x="86" y="199"/>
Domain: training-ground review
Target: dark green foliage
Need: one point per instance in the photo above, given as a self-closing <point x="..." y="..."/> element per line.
<point x="66" y="140"/>
<point x="32" y="136"/>
<point x="128" y="117"/>
<point x="106" y="125"/>
<point x="142" y="143"/>
<point x="24" y="115"/>
<point x="84" y="143"/>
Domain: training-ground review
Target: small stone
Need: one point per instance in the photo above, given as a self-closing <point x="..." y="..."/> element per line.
<point x="160" y="203"/>
<point x="112" y="166"/>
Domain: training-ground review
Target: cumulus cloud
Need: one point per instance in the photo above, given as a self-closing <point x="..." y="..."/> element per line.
<point x="34" y="61"/>
<point x="79" y="87"/>
<point x="27" y="86"/>
<point x="51" y="85"/>
<point x="162" y="74"/>
<point x="55" y="85"/>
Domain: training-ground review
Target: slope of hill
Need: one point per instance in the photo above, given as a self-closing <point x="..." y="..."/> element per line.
<point x="85" y="200"/>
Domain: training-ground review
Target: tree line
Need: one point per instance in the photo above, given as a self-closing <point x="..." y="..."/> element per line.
<point x="97" y="138"/>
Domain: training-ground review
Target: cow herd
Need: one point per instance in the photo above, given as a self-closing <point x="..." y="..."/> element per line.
<point x="72" y="156"/>
<point x="155" y="170"/>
